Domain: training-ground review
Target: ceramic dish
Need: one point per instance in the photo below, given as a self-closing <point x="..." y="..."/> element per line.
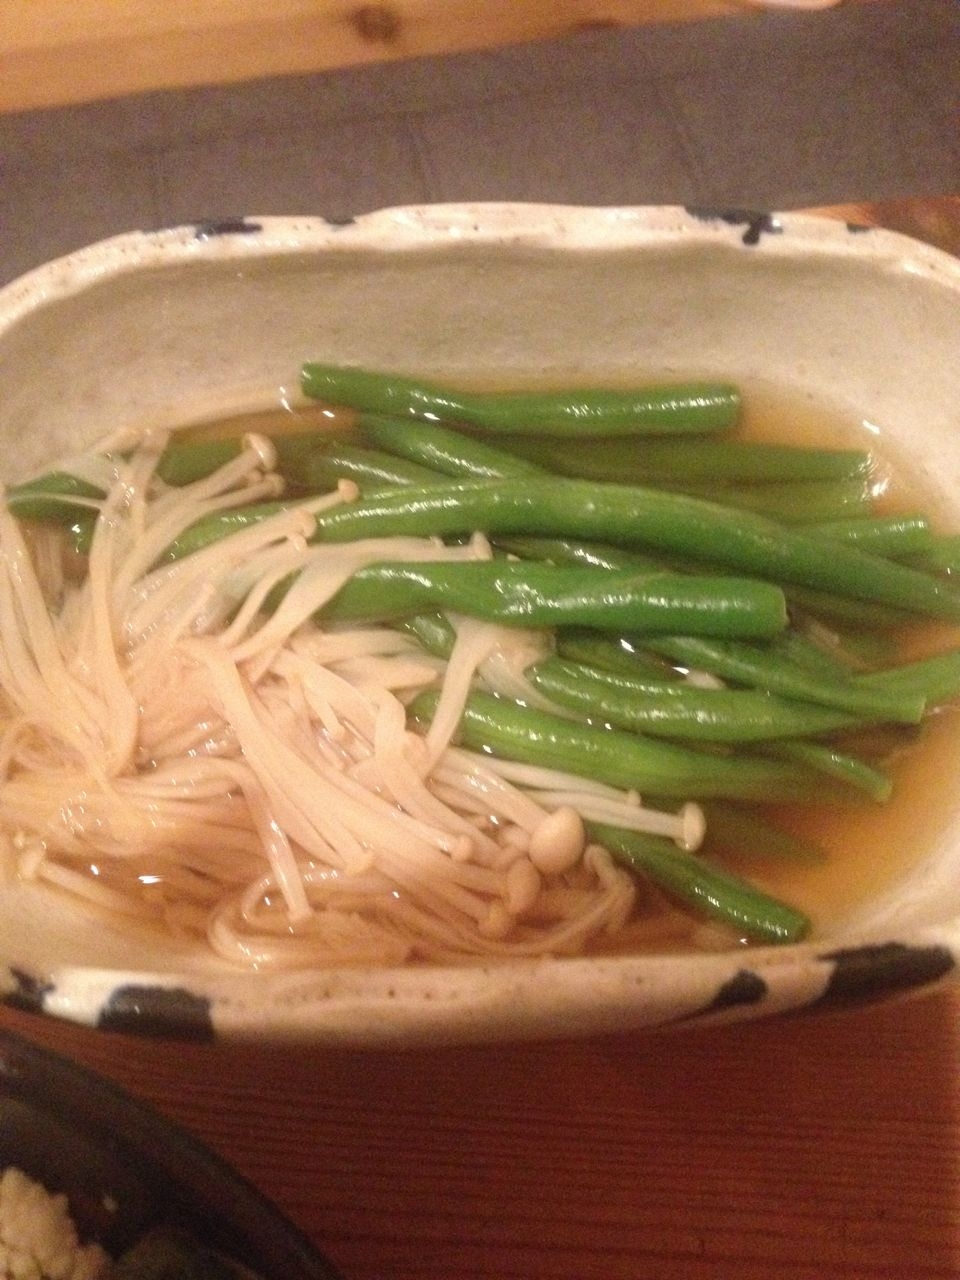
<point x="126" y="1171"/>
<point x="134" y="327"/>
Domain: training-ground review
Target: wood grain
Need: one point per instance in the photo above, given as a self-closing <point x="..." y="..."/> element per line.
<point x="821" y="1147"/>
<point x="54" y="53"/>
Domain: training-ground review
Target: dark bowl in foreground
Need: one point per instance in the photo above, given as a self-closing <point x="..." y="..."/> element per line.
<point x="125" y="1169"/>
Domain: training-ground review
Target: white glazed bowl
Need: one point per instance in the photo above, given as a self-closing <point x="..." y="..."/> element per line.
<point x="866" y="320"/>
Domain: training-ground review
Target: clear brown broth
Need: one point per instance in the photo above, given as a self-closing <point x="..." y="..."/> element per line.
<point x="867" y="846"/>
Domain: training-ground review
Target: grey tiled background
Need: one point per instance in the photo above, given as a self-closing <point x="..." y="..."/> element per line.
<point x="775" y="109"/>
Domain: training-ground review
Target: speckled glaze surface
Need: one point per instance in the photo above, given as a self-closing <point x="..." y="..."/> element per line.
<point x="140" y="325"/>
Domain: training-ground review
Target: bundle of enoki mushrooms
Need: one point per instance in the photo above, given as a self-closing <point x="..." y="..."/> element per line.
<point x="188" y="744"/>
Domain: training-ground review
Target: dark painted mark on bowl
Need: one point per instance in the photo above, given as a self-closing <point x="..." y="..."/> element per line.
<point x="863" y="974"/>
<point x="208" y="229"/>
<point x="145" y="1010"/>
<point x="745" y="987"/>
<point x="28" y="992"/>
<point x="757" y="224"/>
<point x="339" y="220"/>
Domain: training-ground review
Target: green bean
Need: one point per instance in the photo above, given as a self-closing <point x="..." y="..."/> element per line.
<point x="635" y="516"/>
<point x="842" y="611"/>
<point x="310" y="460"/>
<point x="765" y="668"/>
<point x="625" y="655"/>
<point x="514" y="732"/>
<point x="184" y="462"/>
<point x="433" y="631"/>
<point x="57" y="496"/>
<point x="736" y="830"/>
<point x="539" y="595"/>
<point x="641" y="518"/>
<point x="650" y="461"/>
<point x="60" y="498"/>
<point x="556" y="672"/>
<point x="706" y="888"/>
<point x="936" y="678"/>
<point x="853" y="650"/>
<point x="837" y="609"/>
<point x="797" y="646"/>
<point x="837" y="764"/>
<point x="221" y="524"/>
<point x="211" y="529"/>
<point x="596" y="555"/>
<point x="685" y="407"/>
<point x="843" y="655"/>
<point x="792" y="502"/>
<point x="181" y="463"/>
<point x="611" y="654"/>
<point x="943" y="554"/>
<point x="892" y="536"/>
<point x="449" y="452"/>
<point x="372" y="469"/>
<point x="665" y="709"/>
<point x="455" y="454"/>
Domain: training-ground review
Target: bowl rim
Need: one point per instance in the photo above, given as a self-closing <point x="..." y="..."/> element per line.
<point x="420" y="226"/>
<point x="510" y="999"/>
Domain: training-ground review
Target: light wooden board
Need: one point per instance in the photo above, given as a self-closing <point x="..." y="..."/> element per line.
<point x="54" y="52"/>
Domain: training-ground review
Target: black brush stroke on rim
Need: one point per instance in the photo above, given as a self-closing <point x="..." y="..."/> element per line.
<point x="28" y="993"/>
<point x="208" y="229"/>
<point x="147" y="1010"/>
<point x="861" y="975"/>
<point x="743" y="989"/>
<point x="757" y="224"/>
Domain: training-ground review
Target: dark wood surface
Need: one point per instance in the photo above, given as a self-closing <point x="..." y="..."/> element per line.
<point x="816" y="1148"/>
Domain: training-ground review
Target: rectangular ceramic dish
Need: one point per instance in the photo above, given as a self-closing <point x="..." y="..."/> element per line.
<point x="140" y="326"/>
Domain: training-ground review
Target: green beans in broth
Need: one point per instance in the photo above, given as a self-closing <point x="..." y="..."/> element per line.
<point x="821" y="859"/>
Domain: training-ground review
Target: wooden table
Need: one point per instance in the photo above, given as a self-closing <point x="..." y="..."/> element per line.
<point x="816" y="1148"/>
<point x="54" y="52"/>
